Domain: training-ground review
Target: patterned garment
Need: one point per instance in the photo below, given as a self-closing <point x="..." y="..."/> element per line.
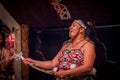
<point x="70" y="59"/>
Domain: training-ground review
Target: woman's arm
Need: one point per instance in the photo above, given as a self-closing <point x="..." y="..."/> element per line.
<point x="40" y="64"/>
<point x="44" y="64"/>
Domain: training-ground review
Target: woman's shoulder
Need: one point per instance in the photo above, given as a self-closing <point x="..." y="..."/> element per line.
<point x="67" y="42"/>
<point x="87" y="43"/>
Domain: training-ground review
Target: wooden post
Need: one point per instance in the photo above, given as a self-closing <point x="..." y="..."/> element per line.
<point x="25" y="50"/>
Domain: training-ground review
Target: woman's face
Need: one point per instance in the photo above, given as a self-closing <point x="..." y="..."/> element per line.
<point x="74" y="30"/>
<point x="1" y="39"/>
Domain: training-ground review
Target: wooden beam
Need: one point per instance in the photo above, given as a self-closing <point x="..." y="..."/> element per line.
<point x="25" y="50"/>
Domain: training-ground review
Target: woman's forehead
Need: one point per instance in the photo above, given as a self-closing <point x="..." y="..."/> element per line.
<point x="80" y="23"/>
<point x="76" y="24"/>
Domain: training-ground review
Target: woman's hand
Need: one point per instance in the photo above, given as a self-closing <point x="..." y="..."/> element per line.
<point x="61" y="73"/>
<point x="27" y="61"/>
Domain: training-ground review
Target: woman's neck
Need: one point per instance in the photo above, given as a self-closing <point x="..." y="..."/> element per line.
<point x="77" y="40"/>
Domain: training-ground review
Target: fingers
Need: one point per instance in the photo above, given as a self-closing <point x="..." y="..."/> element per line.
<point x="27" y="61"/>
<point x="59" y="74"/>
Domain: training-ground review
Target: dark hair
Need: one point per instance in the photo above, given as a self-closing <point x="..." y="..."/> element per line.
<point x="90" y="27"/>
<point x="3" y="36"/>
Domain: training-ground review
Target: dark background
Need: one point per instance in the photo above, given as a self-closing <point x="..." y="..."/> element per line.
<point x="41" y="14"/>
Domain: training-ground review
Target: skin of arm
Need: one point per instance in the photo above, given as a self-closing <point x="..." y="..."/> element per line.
<point x="89" y="58"/>
<point x="44" y="64"/>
